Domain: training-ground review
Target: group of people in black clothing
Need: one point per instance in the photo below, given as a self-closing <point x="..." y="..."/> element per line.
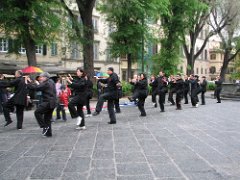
<point x="82" y="87"/>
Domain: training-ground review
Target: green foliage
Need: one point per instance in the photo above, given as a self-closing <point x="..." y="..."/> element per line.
<point x="211" y="86"/>
<point x="127" y="19"/>
<point x="36" y="20"/>
<point x="126" y="88"/>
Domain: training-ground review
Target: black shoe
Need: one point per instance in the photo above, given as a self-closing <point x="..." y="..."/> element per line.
<point x="186" y="103"/>
<point x="179" y="109"/>
<point x="95" y="113"/>
<point x="118" y="112"/>
<point x="218" y="102"/>
<point x="45" y="130"/>
<point x="143" y="115"/>
<point x="112" y="122"/>
<point x="162" y="111"/>
<point x="155" y="105"/>
<point x="203" y="104"/>
<point x="8" y="122"/>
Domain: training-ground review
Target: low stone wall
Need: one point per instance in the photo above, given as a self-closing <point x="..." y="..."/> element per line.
<point x="230" y="90"/>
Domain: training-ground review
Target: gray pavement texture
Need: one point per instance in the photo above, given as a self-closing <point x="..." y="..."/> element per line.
<point x="195" y="143"/>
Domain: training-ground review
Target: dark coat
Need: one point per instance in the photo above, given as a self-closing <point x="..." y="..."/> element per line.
<point x="48" y="89"/>
<point x="111" y="83"/>
<point x="186" y="85"/>
<point x="80" y="87"/>
<point x="179" y="86"/>
<point x="154" y="85"/>
<point x="89" y="88"/>
<point x="162" y="85"/>
<point x="20" y="90"/>
<point x="218" y="84"/>
<point x="204" y="85"/>
<point x="142" y="88"/>
<point x="172" y="86"/>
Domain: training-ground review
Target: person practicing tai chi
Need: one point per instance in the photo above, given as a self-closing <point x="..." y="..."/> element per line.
<point x="44" y="111"/>
<point x="110" y="94"/>
<point x="79" y="86"/>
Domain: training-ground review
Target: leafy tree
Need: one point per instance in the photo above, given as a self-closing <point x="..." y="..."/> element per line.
<point x="29" y="23"/>
<point x="127" y="18"/>
<point x="227" y="12"/>
<point x="86" y="34"/>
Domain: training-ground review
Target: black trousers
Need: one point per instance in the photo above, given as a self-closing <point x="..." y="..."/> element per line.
<point x="203" y="97"/>
<point x="88" y="106"/>
<point x="179" y="97"/>
<point x="43" y="115"/>
<point x="141" y="102"/>
<point x="116" y="104"/>
<point x="194" y="97"/>
<point x="76" y="112"/>
<point x="185" y="94"/>
<point x="170" y="98"/>
<point x="9" y="107"/>
<point x="218" y="92"/>
<point x="109" y="97"/>
<point x="154" y="96"/>
<point x="60" y="109"/>
<point x="162" y="96"/>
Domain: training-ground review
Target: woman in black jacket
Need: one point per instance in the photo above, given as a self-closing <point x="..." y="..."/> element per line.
<point x="79" y="86"/>
<point x="142" y="88"/>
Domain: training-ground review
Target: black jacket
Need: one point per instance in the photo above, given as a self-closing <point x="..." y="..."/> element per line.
<point x="172" y="86"/>
<point x="111" y="82"/>
<point x="142" y="88"/>
<point x="154" y="85"/>
<point x="193" y="85"/>
<point x="89" y="88"/>
<point x="186" y="85"/>
<point x="48" y="90"/>
<point x="179" y="86"/>
<point x="218" y="84"/>
<point x="20" y="90"/>
<point x="162" y="85"/>
<point x="79" y="86"/>
<point x="204" y="85"/>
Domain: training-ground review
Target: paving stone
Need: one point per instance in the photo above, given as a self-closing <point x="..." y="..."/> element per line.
<point x="103" y="164"/>
<point x="74" y="176"/>
<point x="143" y="177"/>
<point x="104" y="154"/>
<point x="78" y="164"/>
<point x="133" y="169"/>
<point x="102" y="174"/>
<point x="166" y="171"/>
<point x="130" y="157"/>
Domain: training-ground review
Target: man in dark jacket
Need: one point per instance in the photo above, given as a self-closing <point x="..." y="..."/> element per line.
<point x="110" y="95"/>
<point x="18" y="100"/>
<point x="194" y="89"/>
<point x="172" y="90"/>
<point x="186" y="89"/>
<point x="44" y="111"/>
<point x="203" y="86"/>
<point x="179" y="91"/>
<point x="162" y="89"/>
<point x="154" y="85"/>
<point x="218" y="88"/>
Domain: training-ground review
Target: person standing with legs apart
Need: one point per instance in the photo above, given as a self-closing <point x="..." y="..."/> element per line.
<point x="44" y="111"/>
<point x="203" y="86"/>
<point x="79" y="86"/>
<point x="89" y="95"/>
<point x="162" y="89"/>
<point x="109" y="94"/>
<point x="142" y="89"/>
<point x="179" y="91"/>
<point x="186" y="89"/>
<point x="154" y="85"/>
<point x="194" y="90"/>
<point x="18" y="100"/>
<point x="172" y="90"/>
<point x="218" y="88"/>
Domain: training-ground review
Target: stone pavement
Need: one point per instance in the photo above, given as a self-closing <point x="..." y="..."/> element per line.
<point x="201" y="143"/>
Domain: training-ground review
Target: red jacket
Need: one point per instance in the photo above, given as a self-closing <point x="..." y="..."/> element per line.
<point x="63" y="98"/>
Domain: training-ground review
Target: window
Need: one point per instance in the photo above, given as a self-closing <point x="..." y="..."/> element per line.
<point x="201" y="70"/>
<point x="213" y="56"/>
<point x="96" y="50"/>
<point x="3" y="45"/>
<point x="212" y="70"/>
<point x="75" y="51"/>
<point x="95" y="24"/>
<point x="197" y="71"/>
<point x="124" y="75"/>
<point x="39" y="49"/>
<point x="206" y="54"/>
<point x="22" y="50"/>
<point x="53" y="49"/>
<point x="206" y="71"/>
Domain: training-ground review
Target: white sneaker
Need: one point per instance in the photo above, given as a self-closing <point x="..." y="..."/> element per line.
<point x="197" y="105"/>
<point x="79" y="120"/>
<point x="88" y="115"/>
<point x="81" y="128"/>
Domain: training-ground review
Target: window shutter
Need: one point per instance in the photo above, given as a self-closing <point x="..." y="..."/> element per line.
<point x="44" y="50"/>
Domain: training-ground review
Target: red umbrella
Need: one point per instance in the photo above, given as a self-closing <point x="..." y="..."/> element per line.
<point x="31" y="70"/>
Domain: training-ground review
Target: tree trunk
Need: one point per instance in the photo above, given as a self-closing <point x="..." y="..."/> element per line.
<point x="190" y="65"/>
<point x="129" y="67"/>
<point x="225" y="65"/>
<point x="30" y="52"/>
